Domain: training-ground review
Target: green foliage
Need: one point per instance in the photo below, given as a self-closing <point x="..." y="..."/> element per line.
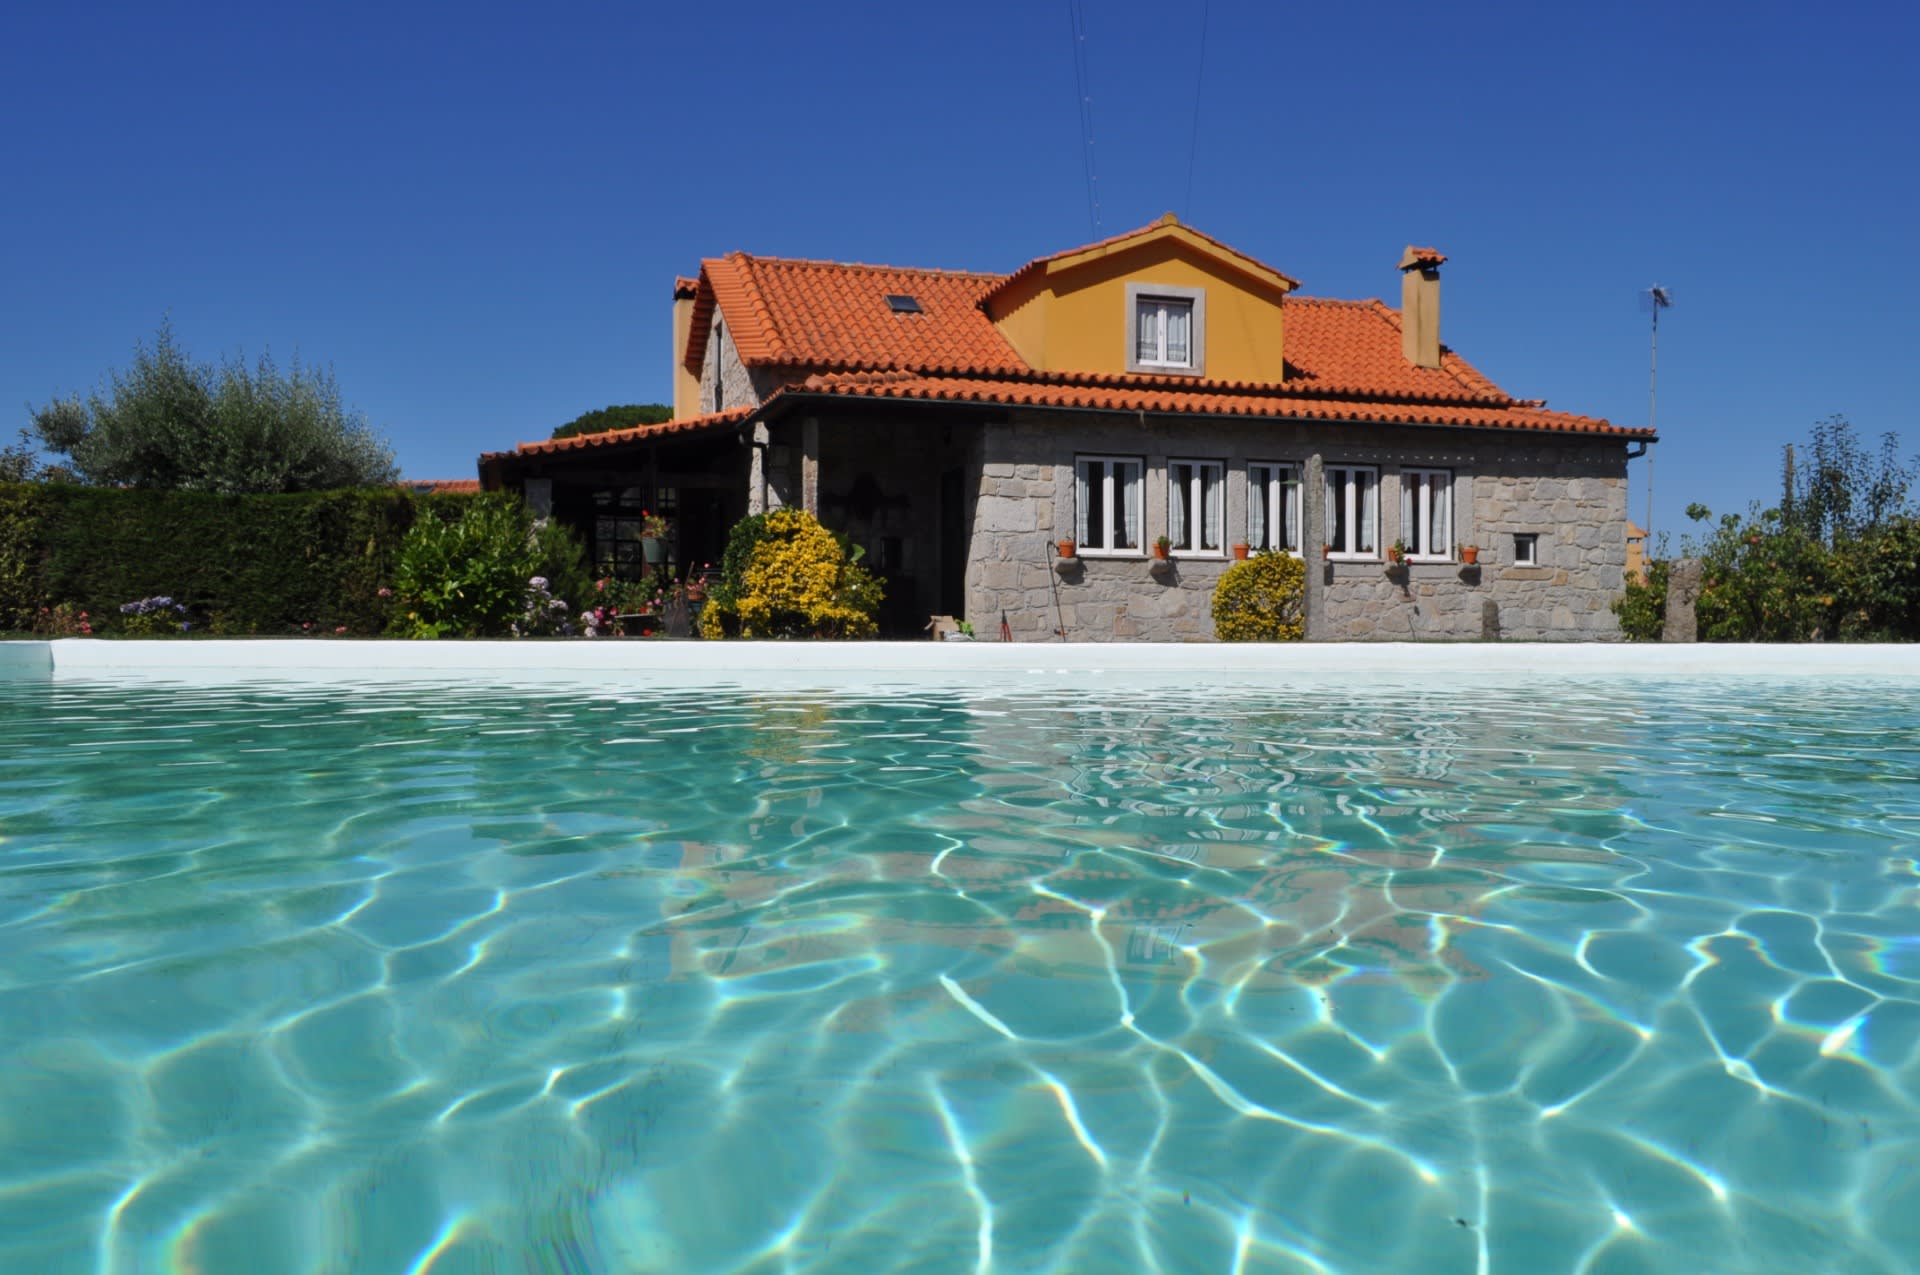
<point x="23" y="517"/>
<point x="615" y="418"/>
<point x="1839" y="557"/>
<point x="171" y="424"/>
<point x="471" y="574"/>
<point x="1643" y="607"/>
<point x="1837" y="492"/>
<point x="784" y="575"/>
<point x="1261" y="600"/>
<point x="305" y="563"/>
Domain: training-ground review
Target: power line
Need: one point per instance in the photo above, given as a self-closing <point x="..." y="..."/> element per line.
<point x="1193" y="143"/>
<point x="1082" y="83"/>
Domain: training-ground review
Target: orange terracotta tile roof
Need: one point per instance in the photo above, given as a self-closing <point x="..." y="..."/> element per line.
<point x="823" y="314"/>
<point x="1163" y="395"/>
<point x="441" y="486"/>
<point x="618" y="437"/>
<point x="830" y="330"/>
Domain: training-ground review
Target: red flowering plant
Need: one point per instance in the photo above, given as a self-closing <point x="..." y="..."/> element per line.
<point x="63" y="620"/>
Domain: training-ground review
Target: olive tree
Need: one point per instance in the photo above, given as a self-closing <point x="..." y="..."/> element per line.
<point x="168" y="422"/>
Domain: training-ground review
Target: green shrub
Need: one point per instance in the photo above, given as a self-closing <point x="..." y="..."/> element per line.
<point x="784" y="575"/>
<point x="307" y="563"/>
<point x="1261" y="600"/>
<point x="1642" y="608"/>
<point x="471" y="575"/>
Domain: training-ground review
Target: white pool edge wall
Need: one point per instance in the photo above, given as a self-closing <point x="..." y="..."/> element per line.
<point x="869" y="662"/>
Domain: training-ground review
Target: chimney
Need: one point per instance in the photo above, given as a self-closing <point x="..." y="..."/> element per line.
<point x="686" y="386"/>
<point x="1420" y="306"/>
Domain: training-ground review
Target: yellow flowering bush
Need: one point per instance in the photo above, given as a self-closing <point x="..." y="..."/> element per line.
<point x="1261" y="600"/>
<point x="785" y="575"/>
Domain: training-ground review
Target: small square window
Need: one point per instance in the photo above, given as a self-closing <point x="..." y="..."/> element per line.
<point x="1526" y="549"/>
<point x="1163" y="332"/>
<point x="1166" y="329"/>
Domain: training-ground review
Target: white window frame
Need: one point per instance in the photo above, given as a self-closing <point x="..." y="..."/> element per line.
<point x="1122" y="486"/>
<point x="1200" y="494"/>
<point x="1526" y="549"/>
<point x="1154" y="299"/>
<point x="1356" y="488"/>
<point x="1420" y="491"/>
<point x="1273" y="505"/>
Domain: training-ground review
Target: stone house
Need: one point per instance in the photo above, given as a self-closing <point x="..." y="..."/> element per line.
<point x="1160" y="383"/>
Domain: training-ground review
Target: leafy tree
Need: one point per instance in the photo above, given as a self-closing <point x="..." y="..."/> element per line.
<point x="1839" y="557"/>
<point x="615" y="418"/>
<point x="1642" y="608"/>
<point x="173" y="424"/>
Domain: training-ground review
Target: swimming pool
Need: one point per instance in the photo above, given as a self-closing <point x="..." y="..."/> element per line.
<point x="1073" y="973"/>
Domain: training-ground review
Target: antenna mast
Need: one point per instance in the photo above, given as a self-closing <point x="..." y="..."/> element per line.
<point x="1657" y="299"/>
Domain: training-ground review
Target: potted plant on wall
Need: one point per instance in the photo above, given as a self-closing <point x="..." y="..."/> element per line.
<point x="1397" y="552"/>
<point x="1240" y="550"/>
<point x="1469" y="554"/>
<point x="1064" y="548"/>
<point x="653" y="538"/>
<point x="1163" y="547"/>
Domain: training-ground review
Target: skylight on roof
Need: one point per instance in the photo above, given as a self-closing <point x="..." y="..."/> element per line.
<point x="901" y="303"/>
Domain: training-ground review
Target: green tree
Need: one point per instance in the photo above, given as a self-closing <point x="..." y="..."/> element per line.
<point x="1838" y="558"/>
<point x="170" y="423"/>
<point x="615" y="418"/>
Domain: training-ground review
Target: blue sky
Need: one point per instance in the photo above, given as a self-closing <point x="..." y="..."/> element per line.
<point x="474" y="212"/>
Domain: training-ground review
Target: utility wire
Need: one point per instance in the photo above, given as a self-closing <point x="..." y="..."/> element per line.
<point x="1082" y="83"/>
<point x="1193" y="143"/>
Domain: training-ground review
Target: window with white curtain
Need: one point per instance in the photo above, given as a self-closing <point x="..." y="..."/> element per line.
<point x="1426" y="513"/>
<point x="1163" y="332"/>
<point x="1353" y="511"/>
<point x="1196" y="492"/>
<point x="1273" y="506"/>
<point x="1107" y="503"/>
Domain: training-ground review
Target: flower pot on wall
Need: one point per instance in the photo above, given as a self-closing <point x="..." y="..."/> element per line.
<point x="1163" y="552"/>
<point x="653" y="549"/>
<point x="1064" y="548"/>
<point x="1469" y="554"/>
<point x="1240" y="551"/>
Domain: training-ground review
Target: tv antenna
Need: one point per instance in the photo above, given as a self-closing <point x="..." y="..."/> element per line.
<point x="1653" y="300"/>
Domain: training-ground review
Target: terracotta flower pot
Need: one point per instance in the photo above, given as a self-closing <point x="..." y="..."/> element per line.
<point x="1064" y="548"/>
<point x="1469" y="554"/>
<point x="1162" y="551"/>
<point x="1240" y="552"/>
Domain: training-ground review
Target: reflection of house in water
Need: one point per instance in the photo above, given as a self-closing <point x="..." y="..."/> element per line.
<point x="1286" y="849"/>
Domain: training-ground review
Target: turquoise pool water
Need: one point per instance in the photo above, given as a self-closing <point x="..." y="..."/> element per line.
<point x="1333" y="978"/>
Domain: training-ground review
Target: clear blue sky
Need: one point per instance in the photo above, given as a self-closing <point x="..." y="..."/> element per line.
<point x="474" y="212"/>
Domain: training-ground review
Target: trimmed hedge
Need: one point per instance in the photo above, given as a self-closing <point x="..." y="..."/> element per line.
<point x="311" y="562"/>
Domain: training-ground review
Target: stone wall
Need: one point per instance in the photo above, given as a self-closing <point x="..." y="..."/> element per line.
<point x="723" y="366"/>
<point x="1569" y="493"/>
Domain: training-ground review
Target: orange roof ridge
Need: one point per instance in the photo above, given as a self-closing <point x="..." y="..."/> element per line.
<point x="823" y="263"/>
<point x="1163" y="224"/>
<point x="1028" y="392"/>
<point x="634" y="433"/>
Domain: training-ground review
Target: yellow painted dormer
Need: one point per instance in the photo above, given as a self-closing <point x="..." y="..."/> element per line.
<point x="1164" y="300"/>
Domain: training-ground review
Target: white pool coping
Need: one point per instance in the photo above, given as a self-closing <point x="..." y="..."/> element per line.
<point x="327" y="660"/>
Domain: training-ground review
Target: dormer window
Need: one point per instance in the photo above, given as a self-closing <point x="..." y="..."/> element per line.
<point x="1166" y="329"/>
